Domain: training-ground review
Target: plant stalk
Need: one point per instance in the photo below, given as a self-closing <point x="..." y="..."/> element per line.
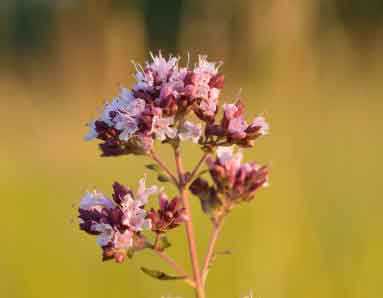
<point x="200" y="290"/>
<point x="217" y="226"/>
<point x="177" y="268"/>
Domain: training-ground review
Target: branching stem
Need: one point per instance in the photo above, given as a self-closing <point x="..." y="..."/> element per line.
<point x="177" y="268"/>
<point x="198" y="166"/>
<point x="217" y="226"/>
<point x="200" y="291"/>
<point x="156" y="158"/>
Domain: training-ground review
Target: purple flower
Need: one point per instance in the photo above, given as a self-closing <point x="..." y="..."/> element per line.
<point x="163" y="95"/>
<point x="236" y="180"/>
<point x="170" y="214"/>
<point x="205" y="86"/>
<point x="259" y="126"/>
<point x="162" y="129"/>
<point x="116" y="222"/>
<point x="234" y="127"/>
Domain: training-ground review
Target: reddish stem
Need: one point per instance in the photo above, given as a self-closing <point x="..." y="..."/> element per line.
<point x="200" y="291"/>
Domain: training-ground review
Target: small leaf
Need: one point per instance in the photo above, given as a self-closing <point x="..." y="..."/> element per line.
<point x="154" y="167"/>
<point x="203" y="172"/>
<point x="211" y="203"/>
<point x="160" y="275"/>
<point x="163" y="178"/>
<point x="130" y="253"/>
<point x="163" y="243"/>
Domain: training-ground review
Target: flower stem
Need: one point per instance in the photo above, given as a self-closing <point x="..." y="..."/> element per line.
<point x="217" y="226"/>
<point x="177" y="268"/>
<point x="197" y="167"/>
<point x="155" y="157"/>
<point x="200" y="291"/>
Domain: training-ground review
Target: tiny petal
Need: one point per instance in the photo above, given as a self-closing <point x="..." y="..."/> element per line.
<point x="262" y="124"/>
<point x="92" y="134"/>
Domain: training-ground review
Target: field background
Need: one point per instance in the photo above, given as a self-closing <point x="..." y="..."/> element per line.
<point x="313" y="67"/>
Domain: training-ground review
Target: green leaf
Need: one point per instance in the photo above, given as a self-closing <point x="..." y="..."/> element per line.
<point x="160" y="275"/>
<point x="163" y="178"/>
<point x="203" y="172"/>
<point x="130" y="253"/>
<point x="163" y="243"/>
<point x="154" y="167"/>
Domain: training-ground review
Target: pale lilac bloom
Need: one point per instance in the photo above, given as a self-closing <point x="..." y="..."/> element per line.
<point x="143" y="192"/>
<point x="162" y="67"/>
<point x="114" y="106"/>
<point x="214" y="93"/>
<point x="209" y="106"/>
<point x="128" y="125"/>
<point x="134" y="216"/>
<point x="260" y="122"/>
<point x="190" y="131"/>
<point x="126" y="95"/>
<point x="228" y="158"/>
<point x="106" y="233"/>
<point x="145" y="81"/>
<point x="95" y="201"/>
<point x="206" y="67"/>
<point x="127" y="118"/>
<point x="123" y="240"/>
<point x="238" y="126"/>
<point x="230" y="110"/>
<point x="204" y="71"/>
<point x="161" y="127"/>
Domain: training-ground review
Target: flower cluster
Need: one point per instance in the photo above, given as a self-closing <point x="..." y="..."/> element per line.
<point x="170" y="214"/>
<point x="156" y="105"/>
<point x="234" y="181"/>
<point x="160" y="106"/>
<point x="118" y="222"/>
<point x="233" y="128"/>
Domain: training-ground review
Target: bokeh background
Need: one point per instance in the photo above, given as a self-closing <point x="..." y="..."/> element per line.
<point x="314" y="68"/>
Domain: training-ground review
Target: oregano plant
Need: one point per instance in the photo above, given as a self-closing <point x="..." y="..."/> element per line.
<point x="170" y="104"/>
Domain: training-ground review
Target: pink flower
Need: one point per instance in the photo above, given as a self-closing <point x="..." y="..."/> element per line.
<point x="235" y="180"/>
<point x="95" y="201"/>
<point x="259" y="125"/>
<point x="170" y="214"/>
<point x="162" y="129"/>
<point x="123" y="240"/>
<point x="115" y="223"/>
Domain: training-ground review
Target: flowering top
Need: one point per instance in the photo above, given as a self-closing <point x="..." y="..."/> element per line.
<point x="168" y="216"/>
<point x="156" y="106"/>
<point x="234" y="129"/>
<point x="234" y="181"/>
<point x="159" y="106"/>
<point x="116" y="222"/>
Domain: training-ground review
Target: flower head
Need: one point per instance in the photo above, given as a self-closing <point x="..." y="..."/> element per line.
<point x="234" y="127"/>
<point x="116" y="222"/>
<point x="168" y="216"/>
<point x="163" y="92"/>
<point x="237" y="181"/>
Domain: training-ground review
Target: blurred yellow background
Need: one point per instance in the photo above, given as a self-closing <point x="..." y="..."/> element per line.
<point x="313" y="67"/>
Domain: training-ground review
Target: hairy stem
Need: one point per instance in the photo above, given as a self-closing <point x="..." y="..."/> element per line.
<point x="217" y="226"/>
<point x="200" y="291"/>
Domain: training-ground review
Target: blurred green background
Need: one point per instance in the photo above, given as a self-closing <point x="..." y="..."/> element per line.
<point x="313" y="67"/>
